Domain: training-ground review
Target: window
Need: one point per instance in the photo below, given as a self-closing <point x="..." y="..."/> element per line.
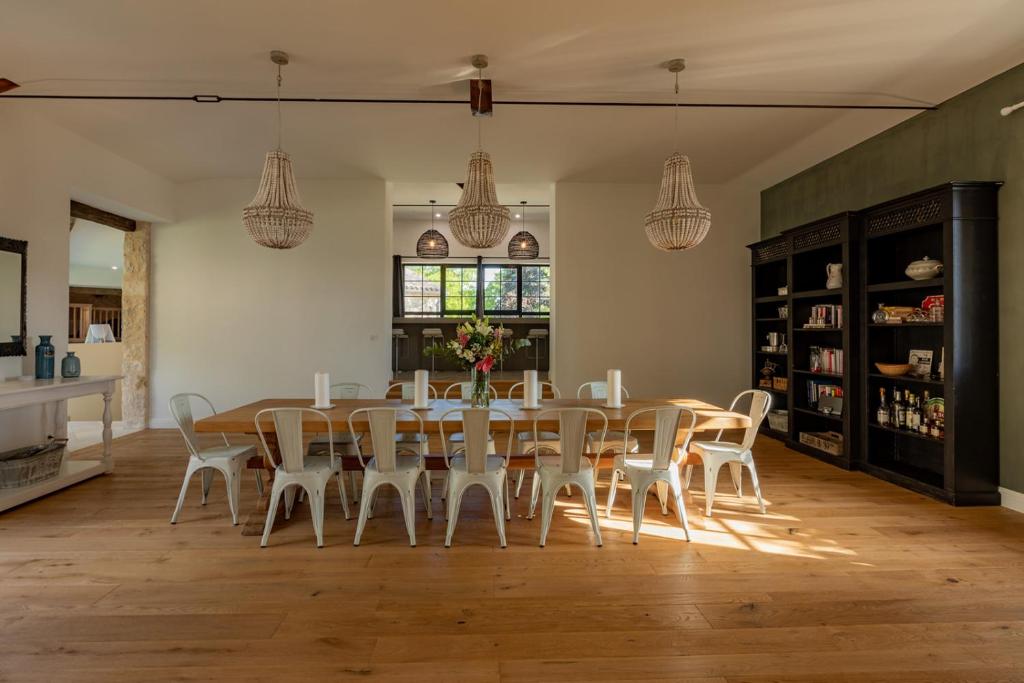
<point x="422" y="290"/>
<point x="459" y="291"/>
<point x="451" y="291"/>
<point x="536" y="296"/>
<point x="501" y="290"/>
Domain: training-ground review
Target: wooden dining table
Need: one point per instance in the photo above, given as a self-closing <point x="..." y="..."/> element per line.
<point x="242" y="420"/>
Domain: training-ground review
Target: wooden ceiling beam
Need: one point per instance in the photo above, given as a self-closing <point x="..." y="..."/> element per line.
<point x="91" y="213"/>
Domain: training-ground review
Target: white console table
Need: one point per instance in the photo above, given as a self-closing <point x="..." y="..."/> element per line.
<point x="30" y="392"/>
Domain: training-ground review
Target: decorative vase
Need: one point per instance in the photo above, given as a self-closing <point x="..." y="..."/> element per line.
<point x="481" y="396"/>
<point x="71" y="366"/>
<point x="44" y="357"/>
<point x="924" y="269"/>
<point x="834" y="273"/>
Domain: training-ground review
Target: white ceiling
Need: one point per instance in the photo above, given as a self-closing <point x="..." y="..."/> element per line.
<point x="824" y="51"/>
<point x="96" y="246"/>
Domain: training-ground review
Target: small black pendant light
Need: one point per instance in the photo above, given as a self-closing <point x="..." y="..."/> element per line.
<point x="432" y="244"/>
<point x="523" y="245"/>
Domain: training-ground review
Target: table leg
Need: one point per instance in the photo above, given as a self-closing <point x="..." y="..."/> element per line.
<point x="253" y="525"/>
<point x="108" y="432"/>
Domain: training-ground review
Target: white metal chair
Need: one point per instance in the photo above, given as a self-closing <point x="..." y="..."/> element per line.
<point x="569" y="466"/>
<point x="716" y="453"/>
<point x="549" y="439"/>
<point x="310" y="473"/>
<point x="388" y="467"/>
<point x="661" y="467"/>
<point x="614" y="441"/>
<point x="465" y="390"/>
<point x="342" y="442"/>
<point x="227" y="459"/>
<point x="412" y="441"/>
<point x="477" y="465"/>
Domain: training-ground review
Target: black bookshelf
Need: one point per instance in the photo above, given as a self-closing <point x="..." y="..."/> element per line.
<point x="955" y="223"/>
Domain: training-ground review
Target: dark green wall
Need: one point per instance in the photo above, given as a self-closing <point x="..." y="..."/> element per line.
<point x="966" y="139"/>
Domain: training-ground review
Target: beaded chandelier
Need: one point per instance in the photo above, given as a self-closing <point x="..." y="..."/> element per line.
<point x="478" y="221"/>
<point x="678" y="221"/>
<point x="276" y="218"/>
<point x="432" y="244"/>
<point x="523" y="245"/>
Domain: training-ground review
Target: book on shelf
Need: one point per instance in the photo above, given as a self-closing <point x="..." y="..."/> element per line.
<point x="825" y="316"/>
<point x="816" y="390"/>
<point x="826" y="360"/>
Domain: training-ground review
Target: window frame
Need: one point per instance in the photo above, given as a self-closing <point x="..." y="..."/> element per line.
<point x="479" y="266"/>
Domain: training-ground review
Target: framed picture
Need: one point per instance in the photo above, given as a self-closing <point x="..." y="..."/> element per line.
<point x="921" y="362"/>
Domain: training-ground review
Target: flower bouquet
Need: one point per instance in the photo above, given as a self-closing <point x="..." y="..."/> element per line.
<point x="477" y="346"/>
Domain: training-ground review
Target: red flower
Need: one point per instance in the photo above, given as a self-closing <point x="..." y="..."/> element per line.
<point x="463" y="340"/>
<point x="486" y="364"/>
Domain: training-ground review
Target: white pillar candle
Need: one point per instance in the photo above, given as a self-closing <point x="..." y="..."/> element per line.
<point x="531" y="393"/>
<point x="321" y="390"/>
<point x="421" y="399"/>
<point x="615" y="388"/>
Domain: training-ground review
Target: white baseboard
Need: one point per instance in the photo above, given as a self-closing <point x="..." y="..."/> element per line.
<point x="162" y="423"/>
<point x="1011" y="499"/>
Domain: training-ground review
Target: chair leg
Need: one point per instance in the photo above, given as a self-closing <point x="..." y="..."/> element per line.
<point x="316" y="511"/>
<point x="710" y="483"/>
<point x="534" y="493"/>
<point x="568" y="491"/>
<point x="546" y="513"/>
<point x="506" y="485"/>
<point x="736" y="472"/>
<point x="590" y="499"/>
<point x="369" y="488"/>
<point x="343" y="495"/>
<point x="275" y="500"/>
<point x="289" y="501"/>
<point x="408" y="495"/>
<point x="677" y="494"/>
<point x="639" y="497"/>
<point x="428" y="499"/>
<point x="520" y="476"/>
<point x="207" y="482"/>
<point x="233" y="480"/>
<point x="259" y="481"/>
<point x="444" y="486"/>
<point x="189" y="471"/>
<point x="497" y="505"/>
<point x="616" y="475"/>
<point x="687" y="477"/>
<point x="662" y="489"/>
<point x="757" y="485"/>
<point x="454" y="503"/>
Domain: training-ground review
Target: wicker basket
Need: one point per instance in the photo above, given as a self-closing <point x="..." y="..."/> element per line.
<point x="32" y="464"/>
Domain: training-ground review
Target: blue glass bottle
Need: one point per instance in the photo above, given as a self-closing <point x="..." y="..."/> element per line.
<point x="71" y="366"/>
<point x="44" y="357"/>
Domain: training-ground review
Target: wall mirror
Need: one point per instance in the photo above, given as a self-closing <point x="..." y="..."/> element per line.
<point x="13" y="275"/>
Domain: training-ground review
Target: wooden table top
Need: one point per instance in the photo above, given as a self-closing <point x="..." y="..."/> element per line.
<point x="242" y="419"/>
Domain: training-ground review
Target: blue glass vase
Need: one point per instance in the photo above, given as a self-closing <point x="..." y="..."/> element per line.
<point x="71" y="366"/>
<point x="44" y="357"/>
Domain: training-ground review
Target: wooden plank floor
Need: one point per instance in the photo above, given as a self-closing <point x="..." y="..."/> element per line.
<point x="846" y="579"/>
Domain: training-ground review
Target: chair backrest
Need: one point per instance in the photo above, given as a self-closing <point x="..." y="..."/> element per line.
<point x="288" y="434"/>
<point x="572" y="435"/>
<point x="382" y="435"/>
<point x="760" y="404"/>
<point x="476" y="428"/>
<point x="668" y="420"/>
<point x="466" y="391"/>
<point x="180" y="406"/>
<point x="348" y="390"/>
<point x="596" y="390"/>
<point x="409" y="390"/>
<point x="521" y="386"/>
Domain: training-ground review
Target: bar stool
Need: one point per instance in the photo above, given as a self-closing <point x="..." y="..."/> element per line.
<point x="536" y="336"/>
<point x="506" y="340"/>
<point x="433" y="334"/>
<point x="398" y="335"/>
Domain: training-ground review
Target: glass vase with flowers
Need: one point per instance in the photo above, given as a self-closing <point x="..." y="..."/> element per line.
<point x="477" y="346"/>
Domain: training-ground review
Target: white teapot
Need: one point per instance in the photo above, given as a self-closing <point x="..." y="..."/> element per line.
<point x="834" y="273"/>
<point x="925" y="269"/>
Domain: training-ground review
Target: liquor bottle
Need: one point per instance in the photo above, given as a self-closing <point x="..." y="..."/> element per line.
<point x="923" y="428"/>
<point x="901" y="413"/>
<point x="914" y="414"/>
<point x="894" y="409"/>
<point x="883" y="409"/>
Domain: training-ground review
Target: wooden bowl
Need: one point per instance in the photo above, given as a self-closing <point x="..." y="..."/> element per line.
<point x="893" y="369"/>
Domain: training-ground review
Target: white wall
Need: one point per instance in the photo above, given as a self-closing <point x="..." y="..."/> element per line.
<point x="95" y="276"/>
<point x="407" y="232"/>
<point x="676" y="324"/>
<point x="238" y="322"/>
<point x="42" y="168"/>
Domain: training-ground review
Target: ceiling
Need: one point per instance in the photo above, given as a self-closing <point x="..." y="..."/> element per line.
<point x="819" y="51"/>
<point x="96" y="246"/>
